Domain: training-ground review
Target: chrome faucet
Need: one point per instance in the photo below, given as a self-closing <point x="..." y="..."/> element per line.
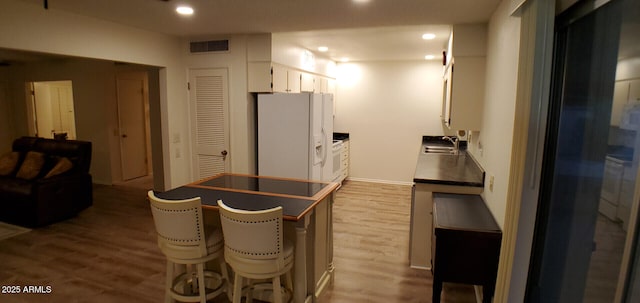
<point x="453" y="140"/>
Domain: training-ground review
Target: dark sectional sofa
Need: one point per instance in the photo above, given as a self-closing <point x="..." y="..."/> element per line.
<point x="46" y="198"/>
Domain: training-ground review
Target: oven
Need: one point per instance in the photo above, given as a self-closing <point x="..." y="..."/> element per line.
<point x="337" y="159"/>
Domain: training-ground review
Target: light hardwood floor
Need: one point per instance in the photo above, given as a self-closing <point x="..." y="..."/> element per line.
<point x="109" y="254"/>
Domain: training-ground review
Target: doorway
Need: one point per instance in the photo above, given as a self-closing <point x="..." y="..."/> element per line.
<point x="51" y="109"/>
<point x="133" y="124"/>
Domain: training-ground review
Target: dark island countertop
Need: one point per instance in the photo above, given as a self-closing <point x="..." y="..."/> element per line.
<point x="297" y="197"/>
<point x="448" y="169"/>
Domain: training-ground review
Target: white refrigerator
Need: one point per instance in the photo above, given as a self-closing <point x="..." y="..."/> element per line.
<point x="295" y="135"/>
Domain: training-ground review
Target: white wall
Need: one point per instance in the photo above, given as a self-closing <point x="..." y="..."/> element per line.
<point x="285" y="51"/>
<point x="386" y="107"/>
<point x="496" y="134"/>
<point x="27" y="26"/>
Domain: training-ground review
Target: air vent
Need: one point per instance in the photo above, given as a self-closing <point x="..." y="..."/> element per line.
<point x="210" y="46"/>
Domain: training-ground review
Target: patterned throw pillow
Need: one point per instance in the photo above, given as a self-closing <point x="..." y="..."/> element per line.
<point x="31" y="165"/>
<point x="8" y="163"/>
<point x="61" y="167"/>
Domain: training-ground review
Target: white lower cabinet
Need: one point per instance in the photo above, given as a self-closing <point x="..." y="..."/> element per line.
<point x="344" y="161"/>
<point x="422" y="219"/>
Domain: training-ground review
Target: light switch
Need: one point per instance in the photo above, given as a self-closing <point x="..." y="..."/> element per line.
<point x="491" y="179"/>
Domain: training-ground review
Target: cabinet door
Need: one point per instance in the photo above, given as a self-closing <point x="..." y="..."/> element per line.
<point x="446" y="95"/>
<point x="279" y="79"/>
<point x="467" y="92"/>
<point x="620" y="97"/>
<point x="324" y="82"/>
<point x="293" y="81"/>
<point x="420" y="234"/>
<point x="307" y="83"/>
<point x="260" y="77"/>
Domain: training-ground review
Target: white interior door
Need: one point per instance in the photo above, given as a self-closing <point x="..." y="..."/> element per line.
<point x="61" y="93"/>
<point x="44" y="118"/>
<point x="54" y="111"/>
<point x="131" y="114"/>
<point x="208" y="97"/>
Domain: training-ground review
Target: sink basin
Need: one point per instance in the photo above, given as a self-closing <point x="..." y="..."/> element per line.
<point x="439" y="150"/>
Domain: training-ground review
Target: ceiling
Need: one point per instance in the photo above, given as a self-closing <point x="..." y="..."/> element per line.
<point x="358" y="29"/>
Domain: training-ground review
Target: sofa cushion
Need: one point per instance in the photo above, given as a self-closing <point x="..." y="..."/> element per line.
<point x="10" y="186"/>
<point x="62" y="166"/>
<point x="31" y="165"/>
<point x="8" y="163"/>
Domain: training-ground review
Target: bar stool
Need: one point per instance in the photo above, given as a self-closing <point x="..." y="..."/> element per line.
<point x="255" y="248"/>
<point x="182" y="238"/>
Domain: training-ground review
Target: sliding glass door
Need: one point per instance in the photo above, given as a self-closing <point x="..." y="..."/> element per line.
<point x="586" y="232"/>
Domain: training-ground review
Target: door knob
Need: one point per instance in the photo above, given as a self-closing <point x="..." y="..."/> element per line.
<point x="124" y="136"/>
<point x="224" y="152"/>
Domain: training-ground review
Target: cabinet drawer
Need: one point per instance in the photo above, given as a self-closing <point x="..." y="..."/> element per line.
<point x="608" y="209"/>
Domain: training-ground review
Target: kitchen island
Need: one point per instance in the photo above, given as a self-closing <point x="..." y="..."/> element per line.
<point x="307" y="211"/>
<point x="457" y="173"/>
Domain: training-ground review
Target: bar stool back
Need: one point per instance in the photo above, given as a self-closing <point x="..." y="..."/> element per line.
<point x="255" y="248"/>
<point x="184" y="240"/>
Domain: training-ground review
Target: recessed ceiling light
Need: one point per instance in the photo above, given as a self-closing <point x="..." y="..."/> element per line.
<point x="429" y="57"/>
<point x="428" y="36"/>
<point x="345" y="59"/>
<point x="361" y="1"/>
<point x="184" y="10"/>
<point x="323" y="48"/>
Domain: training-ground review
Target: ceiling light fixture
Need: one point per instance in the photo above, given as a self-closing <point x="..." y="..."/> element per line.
<point x="429" y="57"/>
<point x="184" y="10"/>
<point x="323" y="49"/>
<point x="428" y="36"/>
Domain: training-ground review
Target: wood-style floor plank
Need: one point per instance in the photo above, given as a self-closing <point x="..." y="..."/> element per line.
<point x="371" y="249"/>
<point x="108" y="253"/>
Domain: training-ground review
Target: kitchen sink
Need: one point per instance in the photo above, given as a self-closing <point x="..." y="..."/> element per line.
<point x="439" y="150"/>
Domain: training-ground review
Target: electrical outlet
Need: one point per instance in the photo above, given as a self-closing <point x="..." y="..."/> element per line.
<point x="491" y="179"/>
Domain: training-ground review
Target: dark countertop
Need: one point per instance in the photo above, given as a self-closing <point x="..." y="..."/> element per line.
<point x="341" y="136"/>
<point x="462" y="212"/>
<point x="448" y="169"/>
<point x="297" y="197"/>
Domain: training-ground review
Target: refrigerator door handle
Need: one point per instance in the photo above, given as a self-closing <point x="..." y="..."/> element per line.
<point x="324" y="146"/>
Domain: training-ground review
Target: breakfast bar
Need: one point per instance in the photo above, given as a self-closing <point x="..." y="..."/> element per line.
<point x="307" y="212"/>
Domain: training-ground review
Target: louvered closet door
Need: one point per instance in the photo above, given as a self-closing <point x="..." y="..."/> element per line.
<point x="209" y="96"/>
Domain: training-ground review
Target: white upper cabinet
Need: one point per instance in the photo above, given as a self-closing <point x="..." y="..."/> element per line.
<point x="620" y="96"/>
<point x="276" y="64"/>
<point x="464" y="77"/>
<point x="625" y="93"/>
<point x="293" y="81"/>
<point x="279" y="79"/>
<point x="307" y="83"/>
<point x="268" y="77"/>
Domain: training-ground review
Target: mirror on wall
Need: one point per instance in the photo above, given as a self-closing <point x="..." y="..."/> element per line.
<point x="50" y="107"/>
